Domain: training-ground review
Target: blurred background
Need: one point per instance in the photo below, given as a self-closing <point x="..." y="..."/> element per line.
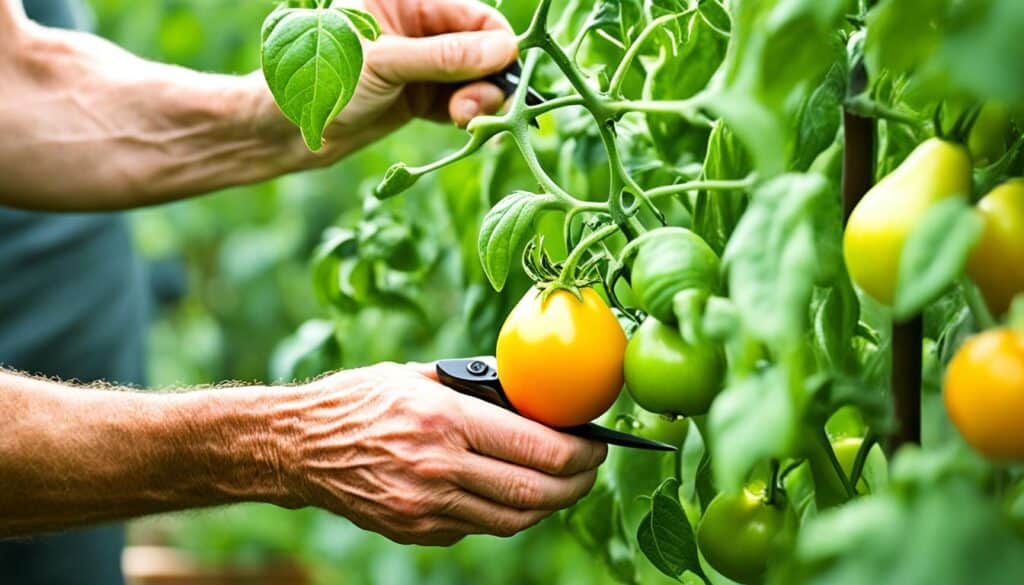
<point x="232" y="274"/>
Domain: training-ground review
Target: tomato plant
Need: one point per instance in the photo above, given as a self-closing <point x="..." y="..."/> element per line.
<point x="776" y="199"/>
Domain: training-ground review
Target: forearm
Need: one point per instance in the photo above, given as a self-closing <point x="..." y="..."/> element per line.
<point x="76" y="456"/>
<point x="87" y="126"/>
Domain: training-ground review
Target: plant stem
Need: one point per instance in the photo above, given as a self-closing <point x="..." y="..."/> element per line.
<point x="773" y="481"/>
<point x="591" y="99"/>
<point x="555" y="104"/>
<point x="703" y="185"/>
<point x="688" y="109"/>
<point x="619" y="77"/>
<point x="862" y="456"/>
<point x="976" y="303"/>
<point x="569" y="268"/>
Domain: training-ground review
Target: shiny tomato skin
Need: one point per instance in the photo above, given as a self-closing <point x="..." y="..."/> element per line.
<point x="560" y="359"/>
<point x="667" y="375"/>
<point x="984" y="393"/>
<point x="739" y="532"/>
<point x="997" y="262"/>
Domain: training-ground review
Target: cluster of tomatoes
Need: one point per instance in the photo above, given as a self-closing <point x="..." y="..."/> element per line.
<point x="563" y="360"/>
<point x="984" y="385"/>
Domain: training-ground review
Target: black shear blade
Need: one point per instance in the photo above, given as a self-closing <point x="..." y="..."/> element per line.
<point x="479" y="378"/>
<point x="509" y="81"/>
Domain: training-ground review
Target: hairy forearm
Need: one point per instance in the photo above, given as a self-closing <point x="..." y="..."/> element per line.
<point x="88" y="126"/>
<point x="76" y="456"/>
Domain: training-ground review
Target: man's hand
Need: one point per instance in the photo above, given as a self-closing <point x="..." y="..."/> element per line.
<point x="397" y="453"/>
<point x="385" y="446"/>
<point x="427" y="64"/>
<point x="88" y="126"/>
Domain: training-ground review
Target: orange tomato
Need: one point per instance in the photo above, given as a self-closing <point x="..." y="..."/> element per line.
<point x="997" y="261"/>
<point x="984" y="393"/>
<point x="559" y="359"/>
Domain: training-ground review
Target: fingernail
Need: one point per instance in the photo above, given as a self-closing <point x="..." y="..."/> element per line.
<point x="466" y="110"/>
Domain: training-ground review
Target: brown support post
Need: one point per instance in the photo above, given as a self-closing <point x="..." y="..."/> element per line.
<point x="858" y="178"/>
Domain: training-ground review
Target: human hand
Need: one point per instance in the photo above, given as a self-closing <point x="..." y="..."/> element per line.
<point x="397" y="453"/>
<point x="426" y="64"/>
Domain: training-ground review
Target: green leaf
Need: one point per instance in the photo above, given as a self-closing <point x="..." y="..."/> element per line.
<point x="778" y="245"/>
<point x="312" y="59"/>
<point x="750" y="421"/>
<point x="835" y="322"/>
<point x="935" y="254"/>
<point x="665" y="535"/>
<point x="505" y="230"/>
<point x="364" y="22"/>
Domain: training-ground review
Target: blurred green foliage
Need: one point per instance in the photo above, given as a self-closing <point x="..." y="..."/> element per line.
<point x="245" y="254"/>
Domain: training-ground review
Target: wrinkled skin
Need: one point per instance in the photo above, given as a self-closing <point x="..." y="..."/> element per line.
<point x="397" y="453"/>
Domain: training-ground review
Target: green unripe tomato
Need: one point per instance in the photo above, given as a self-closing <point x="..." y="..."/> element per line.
<point x="991" y="135"/>
<point x="668" y="429"/>
<point x="739" y="533"/>
<point x="671" y="260"/>
<point x="666" y="375"/>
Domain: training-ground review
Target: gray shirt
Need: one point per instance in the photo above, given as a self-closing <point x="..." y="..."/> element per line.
<point x="72" y="305"/>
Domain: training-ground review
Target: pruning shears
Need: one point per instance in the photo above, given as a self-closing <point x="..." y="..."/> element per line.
<point x="477" y="377"/>
<point x="509" y="80"/>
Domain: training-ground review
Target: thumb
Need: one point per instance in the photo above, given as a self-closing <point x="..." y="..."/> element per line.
<point x="443" y="58"/>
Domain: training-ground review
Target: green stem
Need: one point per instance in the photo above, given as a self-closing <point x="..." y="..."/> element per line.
<point x="567" y="277"/>
<point x="689" y="109"/>
<point x="976" y="303"/>
<point x="866" y="107"/>
<point x="703" y="185"/>
<point x="773" y="481"/>
<point x="831" y="487"/>
<point x="862" y="457"/>
<point x="555" y="104"/>
<point x="591" y="99"/>
<point x="619" y="77"/>
<point x="538" y="29"/>
<point x="477" y="140"/>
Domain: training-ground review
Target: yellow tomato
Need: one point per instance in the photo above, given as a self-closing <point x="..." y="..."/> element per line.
<point x="559" y="359"/>
<point x="984" y="393"/>
<point x="879" y="225"/>
<point x="997" y="262"/>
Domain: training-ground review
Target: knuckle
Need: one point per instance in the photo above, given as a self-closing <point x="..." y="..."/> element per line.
<point x="560" y="456"/>
<point x="507" y="527"/>
<point x="429" y="465"/>
<point x="525" y="492"/>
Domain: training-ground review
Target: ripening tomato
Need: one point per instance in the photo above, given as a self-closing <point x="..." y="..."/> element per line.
<point x="883" y="220"/>
<point x="560" y="359"/>
<point x="667" y="375"/>
<point x="997" y="262"/>
<point x="984" y="393"/>
<point x="739" y="532"/>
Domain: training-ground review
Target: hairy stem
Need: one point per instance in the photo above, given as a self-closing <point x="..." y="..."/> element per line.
<point x="567" y="277"/>
<point x="703" y="185"/>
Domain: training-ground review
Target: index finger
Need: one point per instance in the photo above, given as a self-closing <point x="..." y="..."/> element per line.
<point x="501" y="434"/>
<point x="450" y="16"/>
